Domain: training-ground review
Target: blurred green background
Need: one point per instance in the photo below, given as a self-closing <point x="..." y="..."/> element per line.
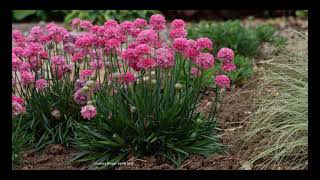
<point x="99" y="16"/>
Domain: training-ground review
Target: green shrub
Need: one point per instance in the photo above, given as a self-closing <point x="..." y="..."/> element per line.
<point x="100" y="16"/>
<point x="244" y="41"/>
<point x="278" y="130"/>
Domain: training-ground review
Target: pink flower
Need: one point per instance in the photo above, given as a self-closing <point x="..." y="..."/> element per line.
<point x="147" y="36"/>
<point x="111" y="23"/>
<point x="192" y="50"/>
<point x="226" y="55"/>
<point x="27" y="77"/>
<point x="165" y="57"/>
<point x="178" y="33"/>
<point x="17" y="105"/>
<point x="96" y="64"/>
<point x="24" y="66"/>
<point x="44" y="39"/>
<point x="94" y="29"/>
<point x="180" y="44"/>
<point x="195" y="72"/>
<point x="127" y="78"/>
<point x="142" y="49"/>
<point x="79" y="84"/>
<point x="204" y="60"/>
<point x="18" y="38"/>
<point x="16" y="62"/>
<point x="57" y="33"/>
<point x="86" y="73"/>
<point x="17" y="51"/>
<point x="126" y="26"/>
<point x="41" y="84"/>
<point x="75" y="22"/>
<point x="85" y="24"/>
<point x="78" y="57"/>
<point x="43" y="55"/>
<point x="134" y="32"/>
<point x="139" y="23"/>
<point x="178" y="23"/>
<point x="70" y="38"/>
<point x="112" y="43"/>
<point x="222" y="81"/>
<point x="57" y="60"/>
<point x="81" y="97"/>
<point x="129" y="54"/>
<point x="88" y="112"/>
<point x="204" y="43"/>
<point x="69" y="48"/>
<point x="157" y="22"/>
<point x="17" y="99"/>
<point x="85" y="40"/>
<point x="146" y="63"/>
<point x="228" y="67"/>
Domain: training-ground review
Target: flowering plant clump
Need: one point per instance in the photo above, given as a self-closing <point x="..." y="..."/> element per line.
<point x="134" y="89"/>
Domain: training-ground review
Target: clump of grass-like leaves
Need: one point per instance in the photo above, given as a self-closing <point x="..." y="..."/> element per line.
<point x="280" y="123"/>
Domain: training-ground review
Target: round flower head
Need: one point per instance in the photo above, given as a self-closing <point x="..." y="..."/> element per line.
<point x="18" y="38"/>
<point x="86" y="73"/>
<point x="204" y="43"/>
<point x="165" y="57"/>
<point x="69" y="48"/>
<point x="79" y="84"/>
<point x="192" y="50"/>
<point x="27" y="77"/>
<point x="24" y="66"/>
<point x="75" y="22"/>
<point x="180" y="44"/>
<point x="78" y="57"/>
<point x="178" y="33"/>
<point x="81" y="97"/>
<point x="204" y="60"/>
<point x="111" y="23"/>
<point x="85" y="40"/>
<point x="195" y="72"/>
<point x="157" y="22"/>
<point x="17" y="99"/>
<point x="142" y="49"/>
<point x="127" y="78"/>
<point x="126" y="26"/>
<point x="139" y="23"/>
<point x="88" y="112"/>
<point x="17" y="108"/>
<point x="222" y="81"/>
<point x="17" y="51"/>
<point x="228" y="67"/>
<point x="147" y="36"/>
<point x="96" y="64"/>
<point x="147" y="63"/>
<point x="41" y="84"/>
<point x="16" y="62"/>
<point x="226" y="55"/>
<point x="178" y="23"/>
<point x="85" y="24"/>
<point x="43" y="55"/>
<point x="57" y="60"/>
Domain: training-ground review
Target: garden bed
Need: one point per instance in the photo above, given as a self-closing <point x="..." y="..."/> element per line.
<point x="232" y="121"/>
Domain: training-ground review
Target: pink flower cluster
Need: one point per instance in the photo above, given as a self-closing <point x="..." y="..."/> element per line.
<point x="129" y="48"/>
<point x="226" y="55"/>
<point x="222" y="81"/>
<point x="17" y="106"/>
<point x="88" y="112"/>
